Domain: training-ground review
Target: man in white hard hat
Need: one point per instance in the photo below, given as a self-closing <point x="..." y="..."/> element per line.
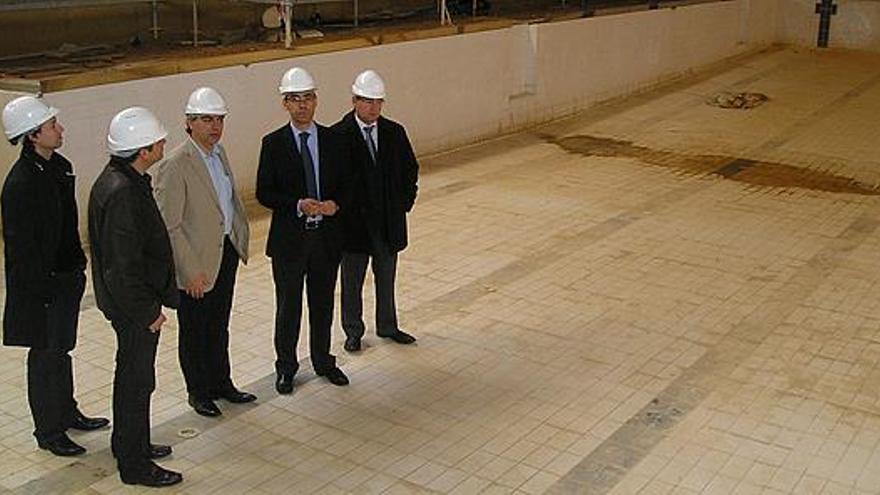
<point x="133" y="274"/>
<point x="208" y="227"/>
<point x="45" y="271"/>
<point x="376" y="224"/>
<point x="303" y="179"/>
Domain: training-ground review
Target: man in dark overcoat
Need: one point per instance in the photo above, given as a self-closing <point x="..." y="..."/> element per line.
<point x="375" y="226"/>
<point x="45" y="271"/>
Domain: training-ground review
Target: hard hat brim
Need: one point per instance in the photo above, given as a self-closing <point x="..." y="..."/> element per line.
<point x="191" y="112"/>
<point x="283" y="90"/>
<point x="364" y="94"/>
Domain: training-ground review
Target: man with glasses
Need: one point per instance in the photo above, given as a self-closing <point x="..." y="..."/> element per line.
<point x="303" y="178"/>
<point x="376" y="225"/>
<point x="208" y="227"/>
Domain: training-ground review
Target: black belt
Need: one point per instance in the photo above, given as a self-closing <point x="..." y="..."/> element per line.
<point x="313" y="224"/>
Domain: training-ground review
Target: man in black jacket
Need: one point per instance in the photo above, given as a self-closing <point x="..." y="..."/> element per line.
<point x="376" y="225"/>
<point x="133" y="272"/>
<point x="302" y="178"/>
<point x="45" y="271"/>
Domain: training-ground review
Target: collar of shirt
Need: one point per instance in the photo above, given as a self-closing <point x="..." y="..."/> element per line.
<point x="215" y="151"/>
<point x="312" y="130"/>
<point x="361" y="124"/>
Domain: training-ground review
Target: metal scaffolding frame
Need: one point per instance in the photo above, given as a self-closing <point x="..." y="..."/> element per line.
<point x="446" y="18"/>
<point x="287" y="7"/>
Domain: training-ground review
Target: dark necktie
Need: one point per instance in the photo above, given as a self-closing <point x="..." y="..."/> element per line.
<point x="309" y="165"/>
<point x="368" y="135"/>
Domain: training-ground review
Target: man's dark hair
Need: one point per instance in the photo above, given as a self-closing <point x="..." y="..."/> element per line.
<point x="128" y="160"/>
<point x="26" y="142"/>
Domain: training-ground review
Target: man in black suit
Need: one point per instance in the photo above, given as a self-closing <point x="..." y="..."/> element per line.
<point x="376" y="225"/>
<point x="302" y="178"/>
<point x="45" y="276"/>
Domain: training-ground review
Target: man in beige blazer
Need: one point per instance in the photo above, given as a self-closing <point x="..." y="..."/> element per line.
<point x="209" y="234"/>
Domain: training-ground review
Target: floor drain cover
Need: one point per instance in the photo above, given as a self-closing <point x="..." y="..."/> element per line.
<point x="742" y="101"/>
<point x="188" y="433"/>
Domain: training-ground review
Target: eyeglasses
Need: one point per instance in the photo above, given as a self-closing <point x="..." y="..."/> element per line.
<point x="208" y="119"/>
<point x="370" y="101"/>
<point x="300" y="97"/>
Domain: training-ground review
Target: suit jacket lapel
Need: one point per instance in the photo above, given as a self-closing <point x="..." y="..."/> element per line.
<point x="323" y="151"/>
<point x="289" y="143"/>
<point x="386" y="138"/>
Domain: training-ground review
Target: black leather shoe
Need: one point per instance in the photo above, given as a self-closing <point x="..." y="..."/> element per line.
<point x="152" y="475"/>
<point x="158" y="451"/>
<point x="400" y="337"/>
<point x="336" y="377"/>
<point x="284" y="383"/>
<point x="205" y="407"/>
<point x="236" y="396"/>
<point x="62" y="446"/>
<point x="352" y="344"/>
<point x="85" y="423"/>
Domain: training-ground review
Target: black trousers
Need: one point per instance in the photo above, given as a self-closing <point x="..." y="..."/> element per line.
<point x="315" y="268"/>
<point x="133" y="384"/>
<point x="354" y="270"/>
<point x="203" y="346"/>
<point x="50" y="369"/>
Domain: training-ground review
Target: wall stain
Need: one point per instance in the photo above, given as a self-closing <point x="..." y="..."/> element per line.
<point x="751" y="172"/>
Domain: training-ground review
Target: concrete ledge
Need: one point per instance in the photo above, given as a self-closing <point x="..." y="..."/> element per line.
<point x="186" y="63"/>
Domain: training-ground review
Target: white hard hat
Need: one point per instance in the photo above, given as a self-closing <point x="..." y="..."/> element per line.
<point x="368" y="84"/>
<point x="205" y="101"/>
<point x="296" y="80"/>
<point x="24" y="114"/>
<point x="132" y="129"/>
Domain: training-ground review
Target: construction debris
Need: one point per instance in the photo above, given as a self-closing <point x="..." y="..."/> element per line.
<point x="739" y="101"/>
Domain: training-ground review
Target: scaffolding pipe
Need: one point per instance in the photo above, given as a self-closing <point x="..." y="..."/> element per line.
<point x="155" y="28"/>
<point x="195" y="23"/>
<point x="445" y="18"/>
<point x="288" y="20"/>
